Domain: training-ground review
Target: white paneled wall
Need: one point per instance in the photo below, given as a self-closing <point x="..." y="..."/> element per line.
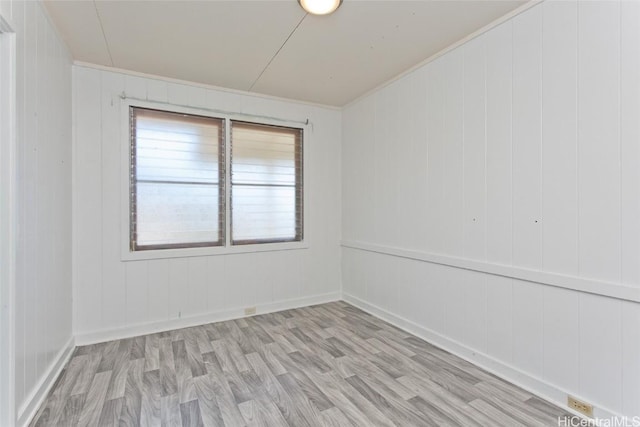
<point x="598" y="133"/>
<point x="43" y="309"/>
<point x="559" y="133"/>
<point x="491" y="201"/>
<point x="115" y="298"/>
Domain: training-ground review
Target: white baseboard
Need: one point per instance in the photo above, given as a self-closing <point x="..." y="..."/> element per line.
<point x="534" y="385"/>
<point x="33" y="401"/>
<point x="215" y="316"/>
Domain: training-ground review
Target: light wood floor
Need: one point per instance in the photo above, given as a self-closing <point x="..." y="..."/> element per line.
<point x="326" y="365"/>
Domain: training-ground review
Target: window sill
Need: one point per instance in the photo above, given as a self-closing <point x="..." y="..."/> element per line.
<point x="128" y="255"/>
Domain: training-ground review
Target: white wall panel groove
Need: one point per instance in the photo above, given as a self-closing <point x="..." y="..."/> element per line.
<point x="629" y="137"/>
<point x="499" y="158"/>
<point x="474" y="160"/>
<point x="559" y="133"/>
<point x="599" y="139"/>
<point x="527" y="139"/>
<point x="453" y="105"/>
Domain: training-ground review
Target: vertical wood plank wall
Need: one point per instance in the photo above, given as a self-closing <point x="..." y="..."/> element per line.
<point x="112" y="296"/>
<point x="43" y="271"/>
<point x="520" y="148"/>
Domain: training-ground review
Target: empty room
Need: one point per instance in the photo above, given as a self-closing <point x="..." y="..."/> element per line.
<point x="320" y="213"/>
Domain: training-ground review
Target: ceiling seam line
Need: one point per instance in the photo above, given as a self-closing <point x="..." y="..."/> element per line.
<point x="276" y="54"/>
<point x="104" y="36"/>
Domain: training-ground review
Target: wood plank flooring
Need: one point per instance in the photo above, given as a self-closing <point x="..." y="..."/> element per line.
<point x="325" y="365"/>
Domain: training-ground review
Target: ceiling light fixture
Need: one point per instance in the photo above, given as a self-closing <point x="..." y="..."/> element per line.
<point x="320" y="7"/>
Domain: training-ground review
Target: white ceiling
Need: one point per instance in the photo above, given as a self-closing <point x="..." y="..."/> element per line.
<point x="270" y="47"/>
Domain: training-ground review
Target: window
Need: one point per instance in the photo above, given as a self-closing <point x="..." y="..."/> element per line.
<point x="181" y="180"/>
<point x="177" y="180"/>
<point x="266" y="183"/>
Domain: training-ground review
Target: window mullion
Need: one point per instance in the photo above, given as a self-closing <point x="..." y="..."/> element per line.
<point x="227" y="182"/>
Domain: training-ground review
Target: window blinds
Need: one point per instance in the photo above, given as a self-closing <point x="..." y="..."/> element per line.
<point x="266" y="183"/>
<point x="177" y="180"/>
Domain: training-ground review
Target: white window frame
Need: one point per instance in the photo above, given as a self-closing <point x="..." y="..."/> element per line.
<point x="128" y="255"/>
